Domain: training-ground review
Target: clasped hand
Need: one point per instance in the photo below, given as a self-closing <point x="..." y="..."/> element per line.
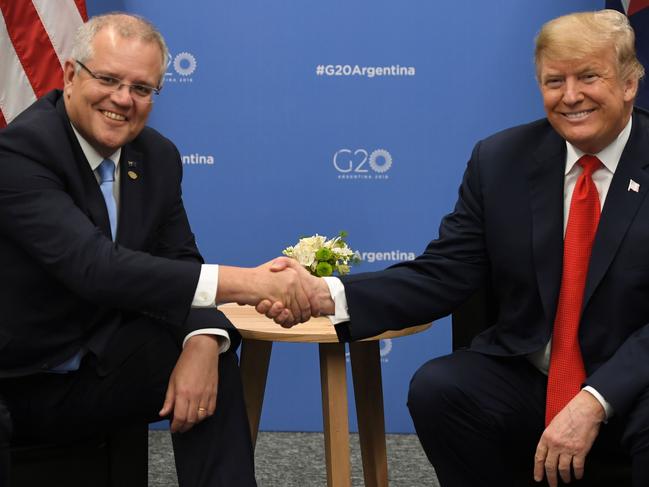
<point x="293" y="294"/>
<point x="282" y="290"/>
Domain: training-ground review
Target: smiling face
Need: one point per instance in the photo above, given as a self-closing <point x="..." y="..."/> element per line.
<point x="585" y="100"/>
<point x="110" y="120"/>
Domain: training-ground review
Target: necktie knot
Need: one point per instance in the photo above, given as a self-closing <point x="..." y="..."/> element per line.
<point x="589" y="163"/>
<point x="106" y="170"/>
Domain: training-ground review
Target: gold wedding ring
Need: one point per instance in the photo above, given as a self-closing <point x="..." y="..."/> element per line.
<point x="201" y="410"/>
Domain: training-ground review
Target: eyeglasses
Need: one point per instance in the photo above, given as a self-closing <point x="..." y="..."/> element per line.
<point x="110" y="84"/>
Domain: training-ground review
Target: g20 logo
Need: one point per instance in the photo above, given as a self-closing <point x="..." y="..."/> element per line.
<point x="184" y="63"/>
<point x="386" y="347"/>
<point x="361" y="161"/>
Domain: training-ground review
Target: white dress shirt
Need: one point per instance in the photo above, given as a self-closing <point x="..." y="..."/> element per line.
<point x="610" y="157"/>
<point x="205" y="293"/>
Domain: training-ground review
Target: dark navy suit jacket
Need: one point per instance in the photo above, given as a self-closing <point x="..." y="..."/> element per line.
<point x="65" y="283"/>
<point x="507" y="229"/>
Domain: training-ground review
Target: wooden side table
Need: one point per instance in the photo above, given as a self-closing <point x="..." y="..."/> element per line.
<point x="259" y="333"/>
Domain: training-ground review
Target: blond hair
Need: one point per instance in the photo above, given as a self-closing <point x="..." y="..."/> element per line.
<point x="582" y="34"/>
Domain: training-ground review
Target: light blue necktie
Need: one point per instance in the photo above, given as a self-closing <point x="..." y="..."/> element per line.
<point x="107" y="176"/>
<point x="71" y="364"/>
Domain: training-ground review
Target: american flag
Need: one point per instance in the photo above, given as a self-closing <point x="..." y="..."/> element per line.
<point x="638" y="13"/>
<point x="35" y="40"/>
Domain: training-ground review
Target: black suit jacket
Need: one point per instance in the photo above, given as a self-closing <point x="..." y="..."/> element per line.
<point x="65" y="283"/>
<point x="507" y="227"/>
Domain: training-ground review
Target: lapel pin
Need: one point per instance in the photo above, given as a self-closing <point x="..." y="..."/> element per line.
<point x="132" y="175"/>
<point x="131" y="163"/>
<point x="633" y="186"/>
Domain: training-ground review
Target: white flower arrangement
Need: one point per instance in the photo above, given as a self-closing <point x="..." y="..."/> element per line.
<point x="322" y="257"/>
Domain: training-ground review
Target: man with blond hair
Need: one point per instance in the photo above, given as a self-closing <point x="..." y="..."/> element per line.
<point x="107" y="315"/>
<point x="553" y="215"/>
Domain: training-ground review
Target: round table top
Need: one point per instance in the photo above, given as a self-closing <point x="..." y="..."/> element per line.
<point x="255" y="326"/>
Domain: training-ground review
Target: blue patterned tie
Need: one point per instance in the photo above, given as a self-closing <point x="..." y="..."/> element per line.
<point x="107" y="176"/>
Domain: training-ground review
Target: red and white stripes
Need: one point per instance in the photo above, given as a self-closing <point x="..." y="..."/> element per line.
<point x="35" y="40"/>
<point x="633" y="6"/>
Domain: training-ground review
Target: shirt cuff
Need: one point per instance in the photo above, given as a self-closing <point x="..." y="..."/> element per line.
<point x="608" y="409"/>
<point x="224" y="342"/>
<point x="208" y="281"/>
<point x="337" y="291"/>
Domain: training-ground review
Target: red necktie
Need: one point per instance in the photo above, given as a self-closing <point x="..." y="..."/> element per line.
<point x="567" y="373"/>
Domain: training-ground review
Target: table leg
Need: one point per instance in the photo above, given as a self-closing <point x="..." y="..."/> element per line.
<point x="334" y="412"/>
<point x="368" y="391"/>
<point x="255" y="356"/>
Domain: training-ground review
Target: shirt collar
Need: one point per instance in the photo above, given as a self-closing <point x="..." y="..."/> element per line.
<point x="93" y="157"/>
<point x="609" y="156"/>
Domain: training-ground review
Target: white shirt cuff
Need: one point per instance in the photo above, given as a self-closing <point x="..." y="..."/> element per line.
<point x="205" y="297"/>
<point x="208" y="281"/>
<point x="225" y="343"/>
<point x="608" y="409"/>
<point x="337" y="291"/>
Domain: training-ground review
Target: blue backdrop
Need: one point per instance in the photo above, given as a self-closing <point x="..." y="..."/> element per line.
<point x="301" y="117"/>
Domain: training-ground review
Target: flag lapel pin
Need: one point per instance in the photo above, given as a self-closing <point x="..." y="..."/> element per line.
<point x="633" y="186"/>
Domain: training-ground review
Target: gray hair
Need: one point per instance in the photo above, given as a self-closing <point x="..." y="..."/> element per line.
<point x="126" y="25"/>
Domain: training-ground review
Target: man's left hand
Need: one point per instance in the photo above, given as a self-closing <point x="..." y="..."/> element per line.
<point x="568" y="439"/>
<point x="191" y="393"/>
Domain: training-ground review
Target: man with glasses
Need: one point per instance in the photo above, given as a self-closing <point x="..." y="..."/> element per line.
<point x="107" y="315"/>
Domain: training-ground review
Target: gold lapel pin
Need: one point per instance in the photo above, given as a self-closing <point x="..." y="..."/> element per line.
<point x="132" y="175"/>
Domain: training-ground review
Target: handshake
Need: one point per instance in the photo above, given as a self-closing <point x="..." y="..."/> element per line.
<point x="281" y="289"/>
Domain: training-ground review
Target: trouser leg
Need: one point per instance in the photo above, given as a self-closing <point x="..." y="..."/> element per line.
<point x="477" y="417"/>
<point x="50" y="407"/>
<point x="635" y="439"/>
<point x="65" y="407"/>
<point x="5" y="436"/>
<point x="218" y="451"/>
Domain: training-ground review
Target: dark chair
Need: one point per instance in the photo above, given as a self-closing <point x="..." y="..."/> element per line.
<point x="116" y="459"/>
<point x="477" y="314"/>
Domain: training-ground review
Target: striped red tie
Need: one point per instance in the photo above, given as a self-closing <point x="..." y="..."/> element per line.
<point x="567" y="374"/>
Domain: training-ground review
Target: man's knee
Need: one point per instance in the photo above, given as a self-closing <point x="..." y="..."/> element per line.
<point x="433" y="389"/>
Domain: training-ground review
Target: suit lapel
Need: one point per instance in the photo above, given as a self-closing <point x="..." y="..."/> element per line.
<point x="83" y="181"/>
<point x="131" y="196"/>
<point x="620" y="206"/>
<point x="546" y="202"/>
